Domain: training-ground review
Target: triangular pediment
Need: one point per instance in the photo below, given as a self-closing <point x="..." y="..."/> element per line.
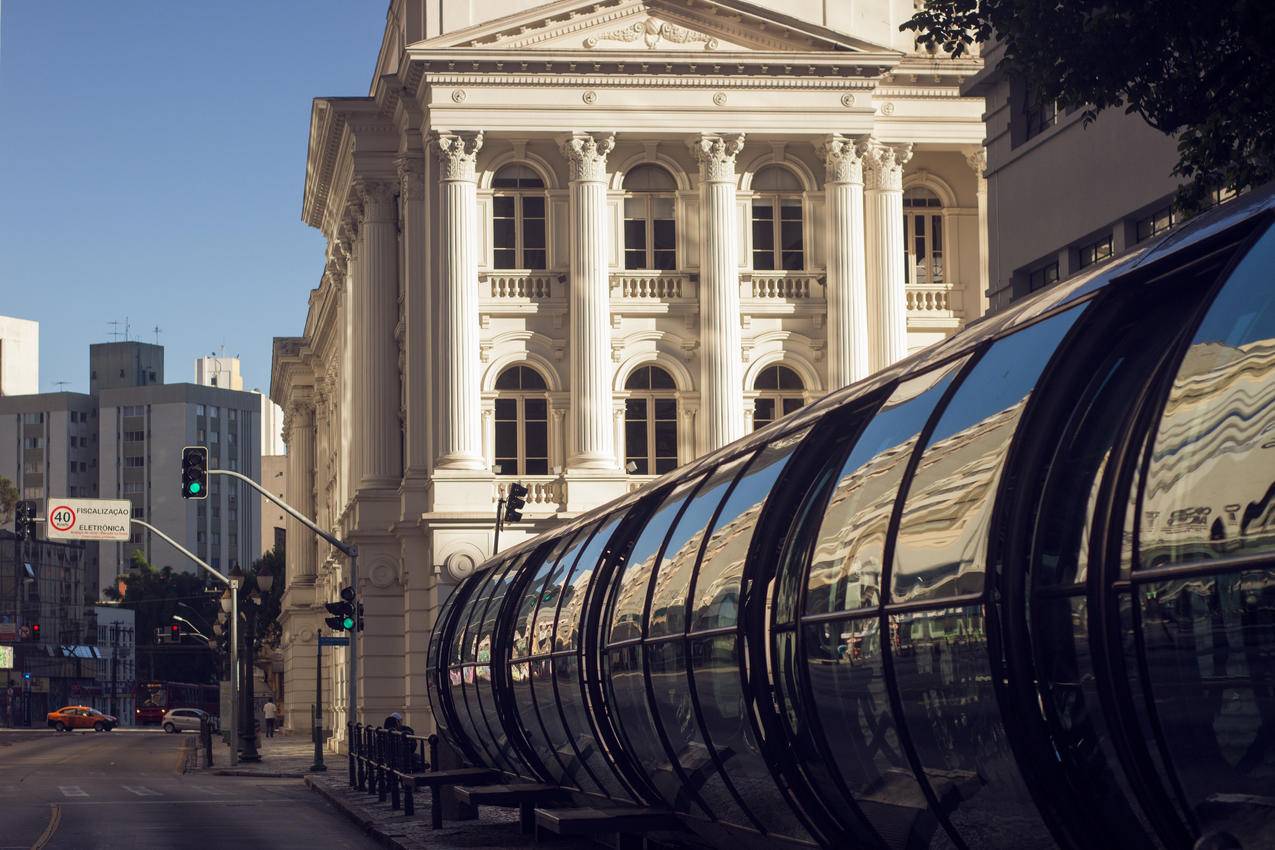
<point x="650" y="26"/>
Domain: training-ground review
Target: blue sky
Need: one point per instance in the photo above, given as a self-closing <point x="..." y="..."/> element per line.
<point x="152" y="159"/>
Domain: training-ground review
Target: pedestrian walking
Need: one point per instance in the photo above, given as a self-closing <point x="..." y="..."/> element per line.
<point x="271" y="712"/>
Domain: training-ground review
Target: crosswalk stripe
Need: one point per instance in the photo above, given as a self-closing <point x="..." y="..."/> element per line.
<point x="140" y="790"/>
<point x="208" y="789"/>
<point x="72" y="791"/>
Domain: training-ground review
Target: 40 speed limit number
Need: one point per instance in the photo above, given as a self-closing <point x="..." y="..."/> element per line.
<point x="62" y="518"/>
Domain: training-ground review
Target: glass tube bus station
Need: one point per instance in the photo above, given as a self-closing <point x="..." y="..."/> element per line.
<point x="1017" y="591"/>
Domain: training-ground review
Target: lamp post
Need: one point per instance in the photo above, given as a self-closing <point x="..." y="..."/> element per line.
<point x="230" y="608"/>
<point x="248" y="734"/>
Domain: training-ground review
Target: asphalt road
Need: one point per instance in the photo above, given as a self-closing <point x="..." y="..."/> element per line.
<point x="125" y="791"/>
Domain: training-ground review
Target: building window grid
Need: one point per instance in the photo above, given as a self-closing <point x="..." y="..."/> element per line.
<point x="778" y="209"/>
<point x="519" y="219"/>
<point x="650" y="219"/>
<point x="1155" y="223"/>
<point x="780" y="391"/>
<point x="522" y="422"/>
<point x="1046" y="275"/>
<point x="1095" y="252"/>
<point x="922" y="236"/>
<point x="650" y="422"/>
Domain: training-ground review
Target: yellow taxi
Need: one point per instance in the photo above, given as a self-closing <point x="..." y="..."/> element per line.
<point x="81" y="717"/>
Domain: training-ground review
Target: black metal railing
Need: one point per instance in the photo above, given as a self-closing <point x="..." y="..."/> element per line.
<point x="383" y="761"/>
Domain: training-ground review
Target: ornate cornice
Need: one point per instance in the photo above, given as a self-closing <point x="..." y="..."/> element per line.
<point x="652" y="32"/>
<point x="843" y="158"/>
<point x="885" y="165"/>
<point x="457" y="153"/>
<point x="639" y="75"/>
<point x="587" y="156"/>
<point x="716" y="155"/>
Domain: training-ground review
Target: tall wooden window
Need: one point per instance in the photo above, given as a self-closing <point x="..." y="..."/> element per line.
<point x="778" y="221"/>
<point x="923" y="236"/>
<point x="518" y="219"/>
<point x="522" y="422"/>
<point x="650" y="225"/>
<point x="650" y="422"/>
<point x="780" y="392"/>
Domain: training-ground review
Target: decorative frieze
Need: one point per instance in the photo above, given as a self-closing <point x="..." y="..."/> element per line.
<point x="587" y="156"/>
<point x="716" y="155"/>
<point x="652" y="32"/>
<point x="457" y="153"/>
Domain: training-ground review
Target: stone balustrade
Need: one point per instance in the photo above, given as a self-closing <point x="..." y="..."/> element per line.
<point x="650" y="286"/>
<point x="784" y="285"/>
<point x="545" y="493"/>
<point x="518" y="285"/>
<point x="929" y="299"/>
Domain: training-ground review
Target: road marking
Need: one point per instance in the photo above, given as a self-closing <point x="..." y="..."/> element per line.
<point x="55" y="818"/>
<point x="72" y="791"/>
<point x="209" y="789"/>
<point x="141" y="791"/>
<point x="8" y="790"/>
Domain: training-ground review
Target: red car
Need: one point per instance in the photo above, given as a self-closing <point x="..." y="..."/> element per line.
<point x="81" y="717"/>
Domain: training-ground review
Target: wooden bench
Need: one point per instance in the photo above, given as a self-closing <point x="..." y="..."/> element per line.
<point x="436" y="781"/>
<point x="628" y="825"/>
<point x="525" y="797"/>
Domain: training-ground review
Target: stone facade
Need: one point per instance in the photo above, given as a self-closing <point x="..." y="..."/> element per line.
<point x="586" y="190"/>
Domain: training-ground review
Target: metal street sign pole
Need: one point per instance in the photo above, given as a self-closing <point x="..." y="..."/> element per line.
<point x="350" y="551"/>
<point x="234" y="631"/>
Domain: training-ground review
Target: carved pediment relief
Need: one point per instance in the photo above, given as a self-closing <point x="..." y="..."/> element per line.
<point x="722" y="26"/>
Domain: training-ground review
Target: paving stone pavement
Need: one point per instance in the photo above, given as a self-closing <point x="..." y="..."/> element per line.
<point x="281" y="756"/>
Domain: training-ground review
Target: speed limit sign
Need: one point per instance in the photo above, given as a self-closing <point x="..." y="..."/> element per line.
<point x="62" y="518"/>
<point x="89" y="519"/>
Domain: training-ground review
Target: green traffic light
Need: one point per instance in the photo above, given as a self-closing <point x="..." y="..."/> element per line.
<point x="347" y="623"/>
<point x="194" y="487"/>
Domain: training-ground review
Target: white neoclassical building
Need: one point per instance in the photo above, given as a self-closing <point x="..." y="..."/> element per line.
<point x="576" y="244"/>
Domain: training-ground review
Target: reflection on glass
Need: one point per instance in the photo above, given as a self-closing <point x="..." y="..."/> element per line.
<point x="575" y="771"/>
<point x="673" y="578"/>
<point x="942" y="542"/>
<point x="499" y="588"/>
<point x="667" y="659"/>
<point x="634" y="578"/>
<point x="551" y="594"/>
<point x="716" y="602"/>
<point x="1210" y="489"/>
<point x="850" y="544"/>
<point x="1209" y="644"/>
<point x="531" y="597"/>
<point x="576" y="586"/>
<point x="945" y="684"/>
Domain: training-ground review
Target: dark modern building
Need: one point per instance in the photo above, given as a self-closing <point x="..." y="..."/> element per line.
<point x="1017" y="591"/>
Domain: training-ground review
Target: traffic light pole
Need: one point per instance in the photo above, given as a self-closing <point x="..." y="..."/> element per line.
<point x="500" y="516"/>
<point x="233" y="584"/>
<point x="349" y="550"/>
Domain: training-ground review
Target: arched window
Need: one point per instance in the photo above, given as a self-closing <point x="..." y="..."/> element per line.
<point x="518" y="219"/>
<point x="650" y="421"/>
<point x="923" y="236"/>
<point x="650" y="227"/>
<point x="778" y="226"/>
<point x="780" y="391"/>
<point x="522" y="422"/>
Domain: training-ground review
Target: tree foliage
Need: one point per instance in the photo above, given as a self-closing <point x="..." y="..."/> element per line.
<point x="1203" y="72"/>
<point x="8" y="498"/>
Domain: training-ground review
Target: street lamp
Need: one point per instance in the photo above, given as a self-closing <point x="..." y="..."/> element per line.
<point x="179" y="618"/>
<point x="226" y="601"/>
<point x="265" y="577"/>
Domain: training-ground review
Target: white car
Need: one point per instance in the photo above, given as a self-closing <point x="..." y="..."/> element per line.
<point x="185" y="719"/>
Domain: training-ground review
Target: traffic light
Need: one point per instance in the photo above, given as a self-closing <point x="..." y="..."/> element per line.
<point x="359" y="616"/>
<point x="35" y="631"/>
<point x="174" y="633"/>
<point x="24" y="519"/>
<point x="515" y="501"/>
<point x="195" y="472"/>
<point x="345" y="618"/>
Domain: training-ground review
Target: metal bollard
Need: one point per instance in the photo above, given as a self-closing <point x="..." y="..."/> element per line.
<point x="394" y="768"/>
<point x="356" y="744"/>
<point x="205" y="734"/>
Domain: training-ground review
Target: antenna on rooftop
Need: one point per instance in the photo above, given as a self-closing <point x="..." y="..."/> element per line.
<point x="61" y="385"/>
<point x="158" y="330"/>
<point x="115" y="324"/>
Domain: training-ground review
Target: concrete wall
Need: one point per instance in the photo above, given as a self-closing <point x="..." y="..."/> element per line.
<point x="19" y="356"/>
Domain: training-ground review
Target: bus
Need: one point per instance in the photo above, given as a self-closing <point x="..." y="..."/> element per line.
<point x="156" y="698"/>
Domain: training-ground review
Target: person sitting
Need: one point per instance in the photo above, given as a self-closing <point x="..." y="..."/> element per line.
<point x="395" y="723"/>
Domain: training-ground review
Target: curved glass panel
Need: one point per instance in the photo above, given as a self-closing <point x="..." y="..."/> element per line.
<point x="717" y="673"/>
<point x="634" y="577"/>
<point x="1207" y="633"/>
<point x="1210" y="490"/>
<point x="942" y="542"/>
<point x="462" y="675"/>
<point x="681" y="552"/>
<point x="850" y="545"/>
<point x="487" y="656"/>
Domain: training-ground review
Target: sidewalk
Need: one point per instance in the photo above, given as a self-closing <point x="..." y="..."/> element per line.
<point x="283" y="756"/>
<point x="494" y="828"/>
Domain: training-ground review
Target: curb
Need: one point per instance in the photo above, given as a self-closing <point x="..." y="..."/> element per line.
<point x="364" y="823"/>
<point x="260" y="774"/>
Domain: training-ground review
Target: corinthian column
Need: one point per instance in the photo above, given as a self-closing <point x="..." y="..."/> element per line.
<point x="375" y="372"/>
<point x="848" y="359"/>
<point x="298" y="429"/>
<point x="887" y="300"/>
<point x="722" y="375"/>
<point x="460" y="435"/>
<point x="977" y="160"/>
<point x="591" y="438"/>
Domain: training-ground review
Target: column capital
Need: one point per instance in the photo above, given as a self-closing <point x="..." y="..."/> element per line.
<point x="375" y="198"/>
<point x="411" y="171"/>
<point x="843" y="157"/>
<point x="586" y="155"/>
<point x="457" y="153"/>
<point x="885" y="165"/>
<point x="976" y="158"/>
<point x="716" y="155"/>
